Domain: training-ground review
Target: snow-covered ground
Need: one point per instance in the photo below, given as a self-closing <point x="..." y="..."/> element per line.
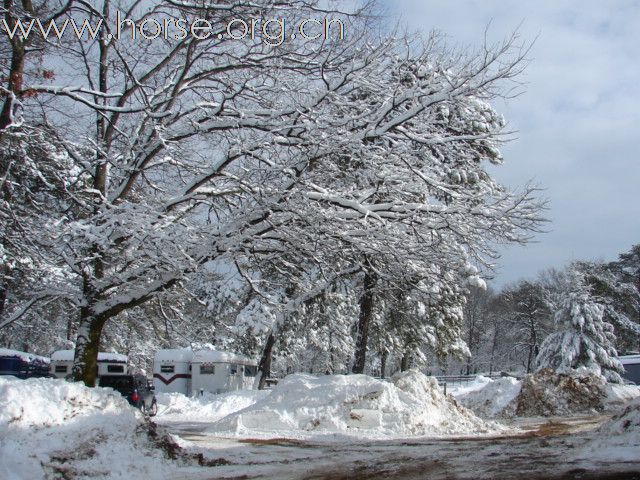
<point x="326" y="427"/>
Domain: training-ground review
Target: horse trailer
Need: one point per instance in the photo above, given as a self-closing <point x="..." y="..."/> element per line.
<point x="172" y="371"/>
<point x="108" y="363"/>
<point x="218" y="372"/>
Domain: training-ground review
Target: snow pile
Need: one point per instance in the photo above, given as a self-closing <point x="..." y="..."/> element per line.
<point x="204" y="408"/>
<point x="619" y="394"/>
<point x="411" y="404"/>
<point x="624" y="423"/>
<point x="50" y="428"/>
<point x="547" y="393"/>
<point x="619" y="438"/>
<point x="493" y="398"/>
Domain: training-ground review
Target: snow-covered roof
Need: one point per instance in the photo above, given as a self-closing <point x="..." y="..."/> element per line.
<point x="629" y="359"/>
<point x="67" y="356"/>
<point x="217" y="356"/>
<point x="174" y="355"/>
<point x="27" y="357"/>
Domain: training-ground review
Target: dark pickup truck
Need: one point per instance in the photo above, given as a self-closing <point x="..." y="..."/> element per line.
<point x="135" y="388"/>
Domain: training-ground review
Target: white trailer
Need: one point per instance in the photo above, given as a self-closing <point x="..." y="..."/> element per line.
<point x="172" y="371"/>
<point x="218" y="372"/>
<point x="108" y="363"/>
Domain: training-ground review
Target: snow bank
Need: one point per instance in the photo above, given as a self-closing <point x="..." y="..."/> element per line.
<point x="546" y="393"/>
<point x="618" y="439"/>
<point x="619" y="394"/>
<point x="205" y="408"/>
<point x="493" y="398"/>
<point x="50" y="428"/>
<point x="411" y="404"/>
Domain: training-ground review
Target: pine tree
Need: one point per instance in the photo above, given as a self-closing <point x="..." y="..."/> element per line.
<point x="584" y="340"/>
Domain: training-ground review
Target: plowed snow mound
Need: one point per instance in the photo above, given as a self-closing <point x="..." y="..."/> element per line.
<point x="546" y="393"/>
<point x="494" y="399"/>
<point x="618" y="439"/>
<point x="410" y="404"/>
<point x="620" y="394"/>
<point x="50" y="428"/>
<point x="626" y="422"/>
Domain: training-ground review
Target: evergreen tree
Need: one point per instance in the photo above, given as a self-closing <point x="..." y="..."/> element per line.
<point x="584" y="340"/>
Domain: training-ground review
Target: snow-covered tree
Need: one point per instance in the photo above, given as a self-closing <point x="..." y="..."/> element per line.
<point x="309" y="157"/>
<point x="477" y="327"/>
<point x="530" y="319"/>
<point x="616" y="285"/>
<point x="584" y="340"/>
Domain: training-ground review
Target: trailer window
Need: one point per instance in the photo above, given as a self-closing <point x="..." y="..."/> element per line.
<point x="61" y="369"/>
<point x="250" y="370"/>
<point x="233" y="369"/>
<point x="115" y="368"/>
<point x="167" y="368"/>
<point x="207" y="369"/>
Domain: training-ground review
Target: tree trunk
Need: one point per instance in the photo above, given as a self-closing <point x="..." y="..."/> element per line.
<point x="364" y="320"/>
<point x="3" y="289"/>
<point x="85" y="359"/>
<point x="405" y="362"/>
<point x="85" y="366"/>
<point x="533" y="345"/>
<point x="70" y="328"/>
<point x="264" y="368"/>
<point x="16" y="72"/>
<point x="533" y="348"/>
<point x="383" y="363"/>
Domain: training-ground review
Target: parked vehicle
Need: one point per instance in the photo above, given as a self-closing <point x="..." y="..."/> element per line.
<point x="22" y="364"/>
<point x="631" y="364"/>
<point x="108" y="363"/>
<point x="138" y="391"/>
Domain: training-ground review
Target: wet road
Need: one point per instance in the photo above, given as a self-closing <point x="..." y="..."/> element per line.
<point x="543" y="449"/>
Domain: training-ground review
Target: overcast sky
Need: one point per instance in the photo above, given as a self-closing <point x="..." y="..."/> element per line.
<point x="578" y="121"/>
